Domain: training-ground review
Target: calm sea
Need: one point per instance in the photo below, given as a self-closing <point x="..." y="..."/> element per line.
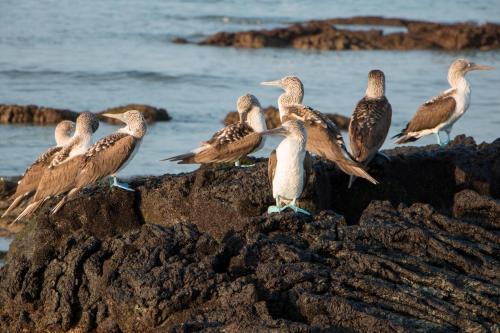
<point x="90" y="55"/>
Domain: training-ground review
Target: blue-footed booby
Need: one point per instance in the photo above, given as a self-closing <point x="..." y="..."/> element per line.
<point x="289" y="166"/>
<point x="324" y="138"/>
<point x="28" y="183"/>
<point x="370" y="121"/>
<point x="106" y="157"/>
<point x="442" y="111"/>
<point x="109" y="155"/>
<point x="234" y="141"/>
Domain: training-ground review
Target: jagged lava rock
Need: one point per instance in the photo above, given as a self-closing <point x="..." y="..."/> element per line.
<point x="324" y="35"/>
<point x="16" y="114"/>
<point x="196" y="252"/>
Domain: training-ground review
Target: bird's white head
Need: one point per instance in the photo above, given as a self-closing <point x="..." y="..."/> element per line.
<point x="293" y="87"/>
<point x="63" y="132"/>
<point x="460" y="67"/>
<point x="134" y="120"/>
<point x="246" y="104"/>
<point x="86" y="123"/>
<point x="376" y="84"/>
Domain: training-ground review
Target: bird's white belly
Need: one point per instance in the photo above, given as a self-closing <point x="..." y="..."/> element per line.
<point x="288" y="181"/>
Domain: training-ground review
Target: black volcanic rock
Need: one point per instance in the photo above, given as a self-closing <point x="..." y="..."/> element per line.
<point x="32" y="114"/>
<point x="325" y="35"/>
<point x="197" y="252"/>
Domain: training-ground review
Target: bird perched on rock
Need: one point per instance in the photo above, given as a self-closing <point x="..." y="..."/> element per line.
<point x="28" y="183"/>
<point x="289" y="166"/>
<point x="370" y="121"/>
<point x="234" y="141"/>
<point x="324" y="138"/>
<point x="442" y="111"/>
<point x="106" y="157"/>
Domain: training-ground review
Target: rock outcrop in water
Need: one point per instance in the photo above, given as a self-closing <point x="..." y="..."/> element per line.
<point x="324" y="35"/>
<point x="196" y="252"/>
<point x="272" y="116"/>
<point x="32" y="114"/>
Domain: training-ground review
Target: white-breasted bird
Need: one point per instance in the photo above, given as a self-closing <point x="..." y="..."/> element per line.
<point x="442" y="111"/>
<point x="233" y="142"/>
<point x="289" y="166"/>
<point x="324" y="138"/>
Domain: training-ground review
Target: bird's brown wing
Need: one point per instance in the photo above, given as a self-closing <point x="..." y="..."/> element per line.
<point x="271" y="167"/>
<point x="32" y="176"/>
<point x="63" y="155"/>
<point x="229" y="144"/>
<point x="432" y="113"/>
<point x="368" y="128"/>
<point x="324" y="139"/>
<point x="105" y="157"/>
<point x="59" y="179"/>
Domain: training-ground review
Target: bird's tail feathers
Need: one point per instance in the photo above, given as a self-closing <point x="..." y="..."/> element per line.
<point x="29" y="210"/>
<point x="404" y="138"/>
<point x="17" y="201"/>
<point x="186" y="158"/>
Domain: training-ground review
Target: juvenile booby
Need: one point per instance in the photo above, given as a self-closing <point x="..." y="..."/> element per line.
<point x="289" y="166"/>
<point x="370" y="121"/>
<point x="442" y="111"/>
<point x="106" y="157"/>
<point x="234" y="141"/>
<point x="324" y="138"/>
<point x="31" y="177"/>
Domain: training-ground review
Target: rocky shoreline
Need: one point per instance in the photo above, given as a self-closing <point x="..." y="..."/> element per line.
<point x="197" y="252"/>
<point x="326" y="35"/>
<point x="33" y="114"/>
<point x="272" y="117"/>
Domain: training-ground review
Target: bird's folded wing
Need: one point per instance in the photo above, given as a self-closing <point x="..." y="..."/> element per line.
<point x="105" y="157"/>
<point x="432" y="113"/>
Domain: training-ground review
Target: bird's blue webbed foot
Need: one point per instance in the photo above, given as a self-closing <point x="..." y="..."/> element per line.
<point x="298" y="209"/>
<point x="124" y="186"/>
<point x="237" y="163"/>
<point x="274" y="209"/>
<point x="441" y="143"/>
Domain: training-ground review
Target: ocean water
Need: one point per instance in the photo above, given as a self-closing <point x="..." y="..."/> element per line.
<point x="91" y="55"/>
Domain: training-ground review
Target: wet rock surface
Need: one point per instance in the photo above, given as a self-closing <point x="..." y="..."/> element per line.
<point x="325" y="35"/>
<point x="272" y="117"/>
<point x="196" y="252"/>
<point x="38" y="115"/>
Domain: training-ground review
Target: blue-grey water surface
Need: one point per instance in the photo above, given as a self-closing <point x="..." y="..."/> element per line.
<point x="90" y="55"/>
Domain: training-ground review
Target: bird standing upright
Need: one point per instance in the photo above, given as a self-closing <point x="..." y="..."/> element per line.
<point x="370" y="121"/>
<point x="442" y="111"/>
<point x="289" y="166"/>
<point x="324" y="138"/>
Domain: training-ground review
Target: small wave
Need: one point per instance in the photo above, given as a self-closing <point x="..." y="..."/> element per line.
<point x="98" y="76"/>
<point x="230" y="19"/>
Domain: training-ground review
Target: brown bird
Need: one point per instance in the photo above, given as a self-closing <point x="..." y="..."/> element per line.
<point x="234" y="141"/>
<point x="28" y="183"/>
<point x="442" y="111"/>
<point x="323" y="136"/>
<point x="370" y="121"/>
<point x="106" y="157"/>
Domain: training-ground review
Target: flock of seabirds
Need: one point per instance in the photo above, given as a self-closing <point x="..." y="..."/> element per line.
<point x="74" y="163"/>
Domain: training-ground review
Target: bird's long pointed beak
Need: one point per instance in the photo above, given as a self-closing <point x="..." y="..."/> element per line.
<point x="119" y="116"/>
<point x="275" y="83"/>
<point x="477" y="67"/>
<point x="278" y="131"/>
